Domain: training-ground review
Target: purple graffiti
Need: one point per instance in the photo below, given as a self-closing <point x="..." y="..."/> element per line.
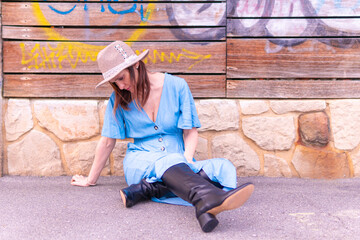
<point x="261" y="18"/>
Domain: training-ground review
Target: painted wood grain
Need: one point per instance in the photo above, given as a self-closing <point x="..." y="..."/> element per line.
<point x="83" y="86"/>
<point x="294" y="27"/>
<point x="293" y="8"/>
<point x="112" y="34"/>
<point x="107" y="2"/>
<point x="1" y="104"/>
<point x="285" y="89"/>
<point x="77" y="57"/>
<point x="280" y="58"/>
<point x="120" y="14"/>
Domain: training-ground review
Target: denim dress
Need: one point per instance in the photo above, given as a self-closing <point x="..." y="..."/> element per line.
<point x="159" y="145"/>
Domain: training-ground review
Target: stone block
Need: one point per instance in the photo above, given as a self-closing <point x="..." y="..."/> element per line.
<point x="102" y="109"/>
<point x="276" y="167"/>
<point x="270" y="133"/>
<point x="35" y="155"/>
<point x="249" y="107"/>
<point x="218" y="115"/>
<point x="18" y="118"/>
<point x="80" y="156"/>
<point x="232" y="147"/>
<point x="345" y="124"/>
<point x="320" y="163"/>
<point x="68" y="119"/>
<point x="314" y="129"/>
<point x="119" y="155"/>
<point x="356" y="163"/>
<point x="285" y="106"/>
<point x="201" y="152"/>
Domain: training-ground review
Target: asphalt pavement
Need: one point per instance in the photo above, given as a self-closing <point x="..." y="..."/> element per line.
<point x="280" y="208"/>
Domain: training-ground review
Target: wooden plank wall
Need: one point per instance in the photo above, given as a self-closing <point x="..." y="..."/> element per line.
<point x="50" y="47"/>
<point x="233" y="49"/>
<point x="293" y="49"/>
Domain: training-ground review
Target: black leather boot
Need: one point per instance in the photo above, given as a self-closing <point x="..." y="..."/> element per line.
<point x="145" y="191"/>
<point x="142" y="191"/>
<point x="203" y="174"/>
<point x="207" y="199"/>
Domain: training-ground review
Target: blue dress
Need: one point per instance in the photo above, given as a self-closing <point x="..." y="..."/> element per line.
<point x="159" y="145"/>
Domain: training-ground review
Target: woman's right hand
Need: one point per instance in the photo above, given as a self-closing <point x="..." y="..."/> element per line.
<point x="81" y="181"/>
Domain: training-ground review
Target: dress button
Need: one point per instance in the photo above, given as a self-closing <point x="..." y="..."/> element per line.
<point x="162" y="148"/>
<point x="156" y="128"/>
<point x="160" y="139"/>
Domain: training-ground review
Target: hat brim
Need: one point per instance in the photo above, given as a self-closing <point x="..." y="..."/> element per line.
<point x="137" y="59"/>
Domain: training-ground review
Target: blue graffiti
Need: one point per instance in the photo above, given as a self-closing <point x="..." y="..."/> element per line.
<point x="62" y="12"/>
<point x="337" y="3"/>
<point x="132" y="9"/>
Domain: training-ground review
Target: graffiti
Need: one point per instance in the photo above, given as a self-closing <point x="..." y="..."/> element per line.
<point x="212" y="33"/>
<point x="71" y="54"/>
<point x="178" y="15"/>
<point x="132" y="9"/>
<point x="186" y="54"/>
<point x="338" y="4"/>
<point x="253" y="18"/>
<point x="51" y="57"/>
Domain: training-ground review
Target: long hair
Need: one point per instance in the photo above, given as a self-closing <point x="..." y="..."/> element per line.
<point x="141" y="89"/>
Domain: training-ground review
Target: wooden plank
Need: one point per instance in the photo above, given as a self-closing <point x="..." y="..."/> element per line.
<point x="296" y="27"/>
<point x="2" y="145"/>
<point x="77" y="57"/>
<point x="312" y="58"/>
<point x="112" y="34"/>
<point x="293" y="89"/>
<point x="106" y="2"/>
<point x="293" y="8"/>
<point x="120" y="14"/>
<point x="83" y="86"/>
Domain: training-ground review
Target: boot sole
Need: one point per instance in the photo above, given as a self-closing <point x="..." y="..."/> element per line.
<point x="234" y="201"/>
<point x="123" y="198"/>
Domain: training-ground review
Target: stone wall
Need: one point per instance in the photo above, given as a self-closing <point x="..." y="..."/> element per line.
<point x="287" y="138"/>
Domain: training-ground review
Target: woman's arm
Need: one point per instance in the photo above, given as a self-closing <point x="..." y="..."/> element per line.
<point x="102" y="153"/>
<point x="190" y="141"/>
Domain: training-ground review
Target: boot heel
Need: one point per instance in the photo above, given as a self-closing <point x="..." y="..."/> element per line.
<point x="207" y="222"/>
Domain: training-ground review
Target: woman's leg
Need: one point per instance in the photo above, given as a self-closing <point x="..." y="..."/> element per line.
<point x="144" y="191"/>
<point x="207" y="199"/>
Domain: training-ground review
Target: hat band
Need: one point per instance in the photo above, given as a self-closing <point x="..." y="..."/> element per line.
<point x="119" y="67"/>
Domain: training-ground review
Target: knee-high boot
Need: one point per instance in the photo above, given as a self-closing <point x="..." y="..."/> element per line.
<point x="207" y="199"/>
<point x="144" y="191"/>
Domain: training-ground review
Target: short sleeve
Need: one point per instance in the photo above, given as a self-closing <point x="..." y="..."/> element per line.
<point x="113" y="126"/>
<point x="188" y="118"/>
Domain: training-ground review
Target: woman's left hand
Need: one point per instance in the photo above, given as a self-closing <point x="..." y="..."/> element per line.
<point x="81" y="181"/>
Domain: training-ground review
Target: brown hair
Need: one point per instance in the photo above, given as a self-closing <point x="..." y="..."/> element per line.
<point x="141" y="89"/>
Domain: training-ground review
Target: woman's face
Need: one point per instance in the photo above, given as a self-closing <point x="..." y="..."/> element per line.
<point x="123" y="80"/>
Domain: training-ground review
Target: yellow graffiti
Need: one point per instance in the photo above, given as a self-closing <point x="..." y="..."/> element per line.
<point x="63" y="54"/>
<point x="155" y="56"/>
<point x="53" y="57"/>
<point x="136" y="35"/>
<point x="74" y="52"/>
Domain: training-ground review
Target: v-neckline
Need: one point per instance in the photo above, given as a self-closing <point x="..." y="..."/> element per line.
<point x="158" y="111"/>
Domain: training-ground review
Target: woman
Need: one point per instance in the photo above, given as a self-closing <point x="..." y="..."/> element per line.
<point x="157" y="110"/>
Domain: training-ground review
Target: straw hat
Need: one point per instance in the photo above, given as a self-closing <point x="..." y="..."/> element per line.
<point x="116" y="57"/>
